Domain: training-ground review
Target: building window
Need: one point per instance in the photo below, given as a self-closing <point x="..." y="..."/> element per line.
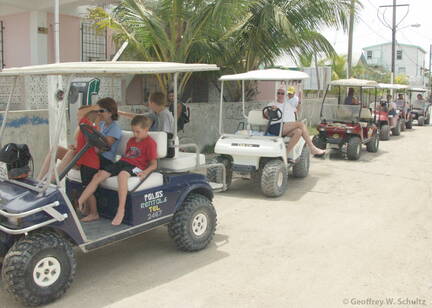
<point x="1" y="46"/>
<point x="399" y="54"/>
<point x="369" y="54"/>
<point x="402" y="70"/>
<point x="93" y="43"/>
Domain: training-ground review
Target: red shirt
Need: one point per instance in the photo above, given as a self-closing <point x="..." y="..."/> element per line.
<point x="90" y="158"/>
<point x="140" y="153"/>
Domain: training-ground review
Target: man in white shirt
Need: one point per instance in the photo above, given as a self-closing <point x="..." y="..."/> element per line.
<point x="290" y="107"/>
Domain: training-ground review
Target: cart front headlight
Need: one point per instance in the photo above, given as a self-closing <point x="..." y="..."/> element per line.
<point x="349" y="131"/>
<point x="322" y="129"/>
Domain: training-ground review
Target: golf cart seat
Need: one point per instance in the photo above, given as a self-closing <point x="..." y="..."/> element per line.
<point x="365" y="116"/>
<point x="155" y="179"/>
<point x="255" y="118"/>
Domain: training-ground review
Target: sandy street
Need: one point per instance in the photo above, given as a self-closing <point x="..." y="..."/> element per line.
<point x="352" y="234"/>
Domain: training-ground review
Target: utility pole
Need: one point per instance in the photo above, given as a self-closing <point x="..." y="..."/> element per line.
<point x="350" y="38"/>
<point x="393" y="28"/>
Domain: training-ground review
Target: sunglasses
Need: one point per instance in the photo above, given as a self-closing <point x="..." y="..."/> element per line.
<point x="281" y="93"/>
<point x="102" y="110"/>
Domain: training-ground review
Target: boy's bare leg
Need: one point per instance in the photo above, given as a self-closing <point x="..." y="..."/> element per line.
<point x="288" y="127"/>
<point x="92" y="209"/>
<point x="99" y="177"/>
<point x="123" y="178"/>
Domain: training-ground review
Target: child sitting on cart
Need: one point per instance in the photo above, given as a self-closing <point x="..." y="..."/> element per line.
<point x="139" y="160"/>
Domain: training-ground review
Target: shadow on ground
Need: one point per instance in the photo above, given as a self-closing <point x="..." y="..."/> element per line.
<point x="137" y="265"/>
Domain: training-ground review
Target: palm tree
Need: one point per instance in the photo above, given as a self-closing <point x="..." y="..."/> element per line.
<point x="237" y="35"/>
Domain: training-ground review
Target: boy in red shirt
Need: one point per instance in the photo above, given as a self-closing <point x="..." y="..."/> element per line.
<point x="139" y="160"/>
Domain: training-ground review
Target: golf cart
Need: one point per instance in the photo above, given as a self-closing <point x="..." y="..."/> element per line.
<point x="420" y="111"/>
<point x="383" y="116"/>
<point x="403" y="107"/>
<point x="38" y="224"/>
<point x="251" y="152"/>
<point x="347" y="126"/>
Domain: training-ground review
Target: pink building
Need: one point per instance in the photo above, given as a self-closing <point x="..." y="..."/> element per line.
<point x="27" y="33"/>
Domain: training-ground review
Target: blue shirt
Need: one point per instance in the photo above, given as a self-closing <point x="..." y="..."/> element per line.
<point x="114" y="131"/>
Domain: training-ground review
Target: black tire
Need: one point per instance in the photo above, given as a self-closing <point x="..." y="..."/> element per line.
<point x="301" y="167"/>
<point x="3" y="248"/>
<point x="373" y="145"/>
<point x="185" y="228"/>
<point x="385" y="132"/>
<point x="396" y="130"/>
<point x="408" y="124"/>
<point x="421" y="121"/>
<point x="215" y="174"/>
<point x="30" y="253"/>
<point x="319" y="142"/>
<point x="427" y="121"/>
<point x="354" y="148"/>
<point x="274" y="178"/>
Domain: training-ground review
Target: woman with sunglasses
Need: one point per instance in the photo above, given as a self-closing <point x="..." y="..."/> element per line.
<point x="107" y="122"/>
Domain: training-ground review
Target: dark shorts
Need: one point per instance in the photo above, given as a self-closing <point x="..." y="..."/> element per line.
<point x="104" y="162"/>
<point x="274" y="129"/>
<point x="87" y="174"/>
<point x="117" y="167"/>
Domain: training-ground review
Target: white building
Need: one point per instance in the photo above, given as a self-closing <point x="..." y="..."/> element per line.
<point x="410" y="60"/>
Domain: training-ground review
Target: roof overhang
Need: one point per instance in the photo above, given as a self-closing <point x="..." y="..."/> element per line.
<point x="393" y="86"/>
<point x="267" y="75"/>
<point x="103" y="68"/>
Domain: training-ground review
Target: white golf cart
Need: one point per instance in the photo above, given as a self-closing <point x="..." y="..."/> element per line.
<point x="251" y="152"/>
<point x="39" y="225"/>
<point x="421" y="110"/>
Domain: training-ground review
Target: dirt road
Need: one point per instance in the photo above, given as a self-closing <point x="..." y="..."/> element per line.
<point x="352" y="234"/>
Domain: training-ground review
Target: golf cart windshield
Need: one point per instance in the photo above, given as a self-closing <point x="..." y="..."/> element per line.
<point x="334" y="112"/>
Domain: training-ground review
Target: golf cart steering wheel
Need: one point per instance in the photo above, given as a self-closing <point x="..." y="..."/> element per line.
<point x="272" y="114"/>
<point x="94" y="137"/>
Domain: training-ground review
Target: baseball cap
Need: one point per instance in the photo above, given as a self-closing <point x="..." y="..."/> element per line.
<point x="291" y="90"/>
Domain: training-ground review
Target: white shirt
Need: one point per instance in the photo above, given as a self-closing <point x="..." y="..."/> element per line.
<point x="288" y="109"/>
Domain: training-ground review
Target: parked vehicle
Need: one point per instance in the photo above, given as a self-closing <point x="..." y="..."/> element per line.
<point x="251" y="152"/>
<point x="348" y="124"/>
<point x="39" y="226"/>
<point x="421" y="109"/>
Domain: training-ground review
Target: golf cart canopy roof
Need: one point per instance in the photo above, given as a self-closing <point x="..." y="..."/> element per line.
<point x="352" y="82"/>
<point x="393" y="86"/>
<point x="121" y="67"/>
<point x="272" y="74"/>
<point x="414" y="89"/>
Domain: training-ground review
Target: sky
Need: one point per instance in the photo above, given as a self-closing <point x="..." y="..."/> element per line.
<point x="368" y="30"/>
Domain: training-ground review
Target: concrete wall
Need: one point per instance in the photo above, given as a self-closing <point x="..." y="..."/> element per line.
<point x="31" y="128"/>
<point x="16" y="40"/>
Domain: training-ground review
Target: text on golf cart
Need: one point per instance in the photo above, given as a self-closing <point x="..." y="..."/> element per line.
<point x="153" y="199"/>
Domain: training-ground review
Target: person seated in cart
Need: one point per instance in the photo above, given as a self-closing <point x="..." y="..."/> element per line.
<point x="106" y="109"/>
<point x="139" y="160"/>
<point x="351" y="99"/>
<point x="392" y="111"/>
<point x="163" y="119"/>
<point x="400" y="103"/>
<point x="289" y="107"/>
<point x="420" y="102"/>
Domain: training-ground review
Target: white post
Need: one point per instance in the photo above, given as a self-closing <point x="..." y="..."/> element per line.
<point x="175" y="107"/>
<point x="243" y="99"/>
<point x="221" y="110"/>
<point x="57" y="31"/>
<point x="55" y="83"/>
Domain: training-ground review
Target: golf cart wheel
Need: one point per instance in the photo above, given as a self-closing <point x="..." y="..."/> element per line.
<point x="402" y="126"/>
<point x="319" y="142"/>
<point x="427" y="120"/>
<point x="408" y="124"/>
<point x="421" y="121"/>
<point x="39" y="268"/>
<point x="274" y="178"/>
<point x="215" y="174"/>
<point x="373" y="145"/>
<point x="396" y="130"/>
<point x="3" y="248"/>
<point x="194" y="223"/>
<point x="385" y="132"/>
<point x="301" y="167"/>
<point x="354" y="148"/>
